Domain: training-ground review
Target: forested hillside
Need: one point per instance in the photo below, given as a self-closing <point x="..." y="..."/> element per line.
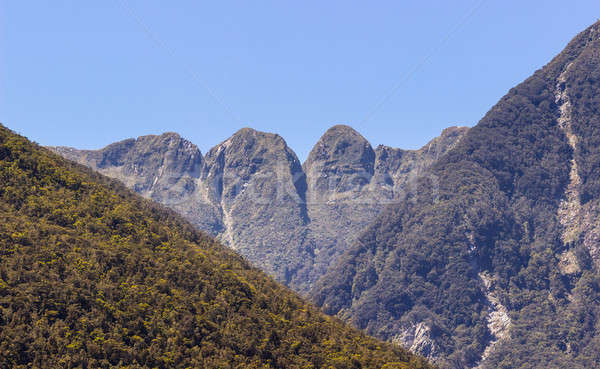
<point x="94" y="276"/>
<point x="493" y="262"/>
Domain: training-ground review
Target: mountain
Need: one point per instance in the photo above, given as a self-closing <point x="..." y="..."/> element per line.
<point x="349" y="184"/>
<point x="93" y="275"/>
<point x="251" y="191"/>
<point x="493" y="261"/>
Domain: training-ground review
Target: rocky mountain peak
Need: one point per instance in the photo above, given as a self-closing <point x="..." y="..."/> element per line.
<point x="252" y="192"/>
<point x="523" y="182"/>
<point x="341" y="161"/>
<point x="251" y="154"/>
<point x="342" y="145"/>
<point x="253" y="144"/>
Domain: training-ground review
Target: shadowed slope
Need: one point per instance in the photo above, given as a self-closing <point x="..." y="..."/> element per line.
<point x="492" y="262"/>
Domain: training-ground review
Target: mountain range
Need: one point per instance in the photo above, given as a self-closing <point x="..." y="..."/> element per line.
<point x="493" y="262"/>
<point x="480" y="250"/>
<point x="94" y="276"/>
<point x="252" y="193"/>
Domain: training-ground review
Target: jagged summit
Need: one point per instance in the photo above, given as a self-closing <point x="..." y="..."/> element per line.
<point x="115" y="153"/>
<point x="342" y="160"/>
<point x="166" y="134"/>
<point x="253" y="194"/>
<point x="340" y="130"/>
<point x="250" y="131"/>
<point x="341" y="133"/>
<point x="342" y="143"/>
<point x="453" y="130"/>
<point x="449" y="133"/>
<point x="249" y="139"/>
<point x="246" y="132"/>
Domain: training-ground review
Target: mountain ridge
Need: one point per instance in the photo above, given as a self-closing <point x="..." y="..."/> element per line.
<point x="493" y="261"/>
<point x="252" y="192"/>
<point x="93" y="275"/>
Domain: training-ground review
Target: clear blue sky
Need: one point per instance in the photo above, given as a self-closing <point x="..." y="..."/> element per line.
<point x="88" y="73"/>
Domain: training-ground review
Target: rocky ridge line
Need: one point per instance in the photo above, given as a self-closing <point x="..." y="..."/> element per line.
<point x="252" y="192"/>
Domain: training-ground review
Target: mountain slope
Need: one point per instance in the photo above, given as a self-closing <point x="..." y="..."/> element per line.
<point x="252" y="193"/>
<point x="349" y="184"/>
<point x="493" y="261"/>
<point x="92" y="275"/>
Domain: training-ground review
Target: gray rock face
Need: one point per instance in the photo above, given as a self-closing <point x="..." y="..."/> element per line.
<point x="165" y="168"/>
<point x="251" y="191"/>
<point x="349" y="184"/>
<point x="258" y="185"/>
<point x="417" y="338"/>
<point x="340" y="165"/>
<point x="339" y="172"/>
<point x="403" y="166"/>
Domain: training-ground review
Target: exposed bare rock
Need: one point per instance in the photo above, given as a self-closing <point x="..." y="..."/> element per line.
<point x="417" y="338"/>
<point x="578" y="220"/>
<point x="569" y="212"/>
<point x="165" y="168"/>
<point x="402" y="167"/>
<point x="349" y="184"/>
<point x="498" y="321"/>
<point x="340" y="197"/>
<point x="591" y="230"/>
<point x="259" y="186"/>
<point x="251" y="192"/>
<point x="568" y="263"/>
<point x="339" y="167"/>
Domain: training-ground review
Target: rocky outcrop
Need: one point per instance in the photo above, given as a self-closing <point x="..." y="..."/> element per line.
<point x="498" y="321"/>
<point x="251" y="191"/>
<point x="258" y="185"/>
<point x="165" y="168"/>
<point x="349" y="184"/>
<point x="569" y="212"/>
<point x="417" y="338"/>
<point x="579" y="220"/>
<point x="341" y="195"/>
<point x="340" y="166"/>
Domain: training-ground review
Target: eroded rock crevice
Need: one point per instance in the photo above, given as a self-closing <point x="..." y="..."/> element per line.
<point x="417" y="338"/>
<point x="569" y="211"/>
<point x="498" y="321"/>
<point x="579" y="221"/>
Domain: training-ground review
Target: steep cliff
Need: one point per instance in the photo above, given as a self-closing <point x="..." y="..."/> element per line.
<point x="251" y="192"/>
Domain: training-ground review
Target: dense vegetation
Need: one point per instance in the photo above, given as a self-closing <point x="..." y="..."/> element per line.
<point x="490" y="206"/>
<point x="93" y="276"/>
